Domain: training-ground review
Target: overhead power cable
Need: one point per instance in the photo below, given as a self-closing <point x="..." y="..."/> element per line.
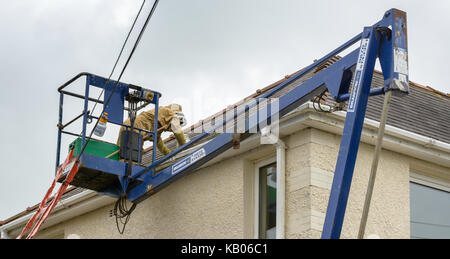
<point x="120" y="210"/>
<point x="121" y="74"/>
<point x="120" y="54"/>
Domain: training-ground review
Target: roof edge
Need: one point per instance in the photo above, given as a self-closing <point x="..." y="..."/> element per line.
<point x="274" y="84"/>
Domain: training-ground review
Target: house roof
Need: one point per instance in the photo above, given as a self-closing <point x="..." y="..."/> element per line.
<point x="69" y="192"/>
<point x="424" y="111"/>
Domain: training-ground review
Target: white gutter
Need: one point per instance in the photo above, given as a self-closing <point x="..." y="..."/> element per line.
<point x="401" y="133"/>
<point x="281" y="187"/>
<point x="68" y="208"/>
<point x="268" y="137"/>
<point x="4" y="235"/>
<point x="396" y="139"/>
<point x="408" y="135"/>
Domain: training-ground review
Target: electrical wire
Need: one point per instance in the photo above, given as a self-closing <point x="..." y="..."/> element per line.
<point x="317" y="100"/>
<point x="121" y="74"/>
<point x="121" y="211"/>
<point x="317" y="105"/>
<point x="118" y="57"/>
<point x="109" y="79"/>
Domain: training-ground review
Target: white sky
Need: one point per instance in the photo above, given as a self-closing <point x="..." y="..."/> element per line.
<point x="203" y="54"/>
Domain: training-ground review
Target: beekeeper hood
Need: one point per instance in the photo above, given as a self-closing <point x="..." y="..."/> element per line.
<point x="178" y="110"/>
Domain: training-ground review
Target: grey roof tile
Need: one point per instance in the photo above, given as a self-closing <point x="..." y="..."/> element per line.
<point x="423" y="111"/>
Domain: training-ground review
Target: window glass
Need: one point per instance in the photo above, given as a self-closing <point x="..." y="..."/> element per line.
<point x="430" y="212"/>
<point x="267" y="201"/>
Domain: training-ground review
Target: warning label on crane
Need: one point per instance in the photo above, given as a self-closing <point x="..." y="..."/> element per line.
<point x="401" y="61"/>
<point x="358" y="72"/>
<point x="176" y="168"/>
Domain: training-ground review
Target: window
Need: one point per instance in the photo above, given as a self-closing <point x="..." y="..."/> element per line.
<point x="267" y="202"/>
<point x="430" y="210"/>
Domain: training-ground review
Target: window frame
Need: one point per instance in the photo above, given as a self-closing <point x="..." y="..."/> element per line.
<point x="429" y="182"/>
<point x="258" y="166"/>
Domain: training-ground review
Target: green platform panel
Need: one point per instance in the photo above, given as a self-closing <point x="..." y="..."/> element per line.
<point x="95" y="147"/>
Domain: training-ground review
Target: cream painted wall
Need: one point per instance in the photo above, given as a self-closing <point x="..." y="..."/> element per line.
<point x="205" y="204"/>
<point x="312" y="155"/>
<point x="218" y="201"/>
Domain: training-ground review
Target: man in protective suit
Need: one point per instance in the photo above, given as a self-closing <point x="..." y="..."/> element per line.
<point x="170" y="118"/>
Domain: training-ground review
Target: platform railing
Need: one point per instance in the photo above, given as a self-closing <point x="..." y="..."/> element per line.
<point x="120" y="90"/>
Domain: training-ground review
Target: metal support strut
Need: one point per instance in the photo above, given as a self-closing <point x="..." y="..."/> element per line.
<point x="387" y="41"/>
<point x="373" y="170"/>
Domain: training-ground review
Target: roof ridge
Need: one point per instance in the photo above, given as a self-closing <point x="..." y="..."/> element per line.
<point x="337" y="57"/>
<point x="209" y="118"/>
<point x="428" y="88"/>
<point x="321" y="67"/>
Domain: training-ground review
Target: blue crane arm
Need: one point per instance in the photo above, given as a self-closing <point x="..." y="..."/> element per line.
<point x="329" y="79"/>
<point x="385" y="40"/>
<point x="286" y="103"/>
